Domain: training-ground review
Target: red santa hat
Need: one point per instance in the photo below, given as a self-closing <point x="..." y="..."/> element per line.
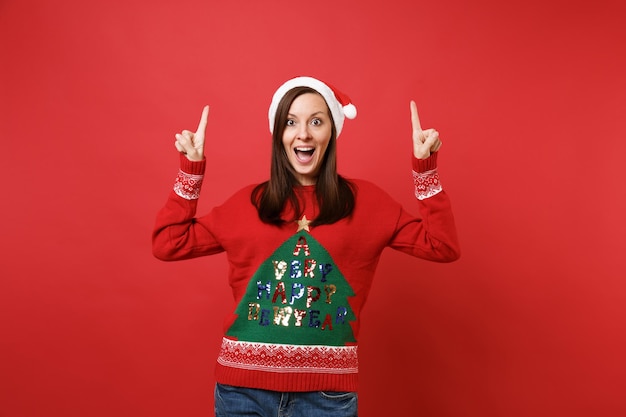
<point x="339" y="104"/>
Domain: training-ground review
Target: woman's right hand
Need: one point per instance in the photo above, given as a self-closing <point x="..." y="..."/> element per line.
<point x="192" y="144"/>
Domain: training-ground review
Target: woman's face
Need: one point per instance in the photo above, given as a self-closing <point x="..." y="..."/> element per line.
<point x="306" y="136"/>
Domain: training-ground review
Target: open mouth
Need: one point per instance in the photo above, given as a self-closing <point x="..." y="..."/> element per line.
<point x="304" y="153"/>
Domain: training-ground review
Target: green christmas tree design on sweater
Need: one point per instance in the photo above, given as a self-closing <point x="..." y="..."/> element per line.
<point x="298" y="296"/>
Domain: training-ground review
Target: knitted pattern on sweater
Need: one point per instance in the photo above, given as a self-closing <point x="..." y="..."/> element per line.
<point x="299" y="290"/>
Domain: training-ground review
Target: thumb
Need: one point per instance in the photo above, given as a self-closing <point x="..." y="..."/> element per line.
<point x="432" y="141"/>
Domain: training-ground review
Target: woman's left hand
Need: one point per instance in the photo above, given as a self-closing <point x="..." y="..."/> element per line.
<point x="426" y="141"/>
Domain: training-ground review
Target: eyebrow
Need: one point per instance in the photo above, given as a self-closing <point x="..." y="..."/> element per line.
<point x="314" y="114"/>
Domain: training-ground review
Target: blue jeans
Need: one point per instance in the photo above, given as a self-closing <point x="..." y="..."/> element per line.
<point x="236" y="401"/>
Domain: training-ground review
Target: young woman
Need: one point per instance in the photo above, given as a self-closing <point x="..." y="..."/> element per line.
<point x="302" y="249"/>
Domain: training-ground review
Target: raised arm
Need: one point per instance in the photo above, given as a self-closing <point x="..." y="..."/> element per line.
<point x="433" y="236"/>
<point x="177" y="233"/>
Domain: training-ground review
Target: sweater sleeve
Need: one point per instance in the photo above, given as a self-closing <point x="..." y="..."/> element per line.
<point x="177" y="233"/>
<point x="433" y="236"/>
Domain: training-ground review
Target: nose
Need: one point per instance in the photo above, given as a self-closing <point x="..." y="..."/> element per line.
<point x="303" y="132"/>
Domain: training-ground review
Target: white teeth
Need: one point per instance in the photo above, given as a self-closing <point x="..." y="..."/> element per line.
<point x="305" y="149"/>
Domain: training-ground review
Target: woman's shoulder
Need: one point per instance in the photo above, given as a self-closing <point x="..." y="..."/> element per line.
<point x="372" y="200"/>
<point x="366" y="189"/>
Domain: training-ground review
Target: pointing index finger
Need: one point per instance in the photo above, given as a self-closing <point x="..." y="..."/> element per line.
<point x="415" y="119"/>
<point x="203" y="120"/>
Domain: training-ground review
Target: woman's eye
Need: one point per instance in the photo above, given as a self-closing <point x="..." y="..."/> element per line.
<point x="290" y="122"/>
<point x="316" y="122"/>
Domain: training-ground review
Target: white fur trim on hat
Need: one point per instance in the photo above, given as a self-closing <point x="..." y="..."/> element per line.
<point x="338" y="103"/>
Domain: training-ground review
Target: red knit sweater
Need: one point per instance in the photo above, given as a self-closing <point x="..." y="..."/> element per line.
<point x="299" y="290"/>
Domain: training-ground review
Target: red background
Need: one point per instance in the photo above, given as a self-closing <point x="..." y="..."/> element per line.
<point x="529" y="97"/>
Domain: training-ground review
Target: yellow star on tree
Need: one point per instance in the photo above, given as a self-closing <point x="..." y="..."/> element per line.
<point x="303" y="224"/>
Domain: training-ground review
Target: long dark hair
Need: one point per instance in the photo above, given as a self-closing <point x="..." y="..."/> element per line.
<point x="335" y="194"/>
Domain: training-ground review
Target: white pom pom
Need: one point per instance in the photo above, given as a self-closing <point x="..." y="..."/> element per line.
<point x="349" y="111"/>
